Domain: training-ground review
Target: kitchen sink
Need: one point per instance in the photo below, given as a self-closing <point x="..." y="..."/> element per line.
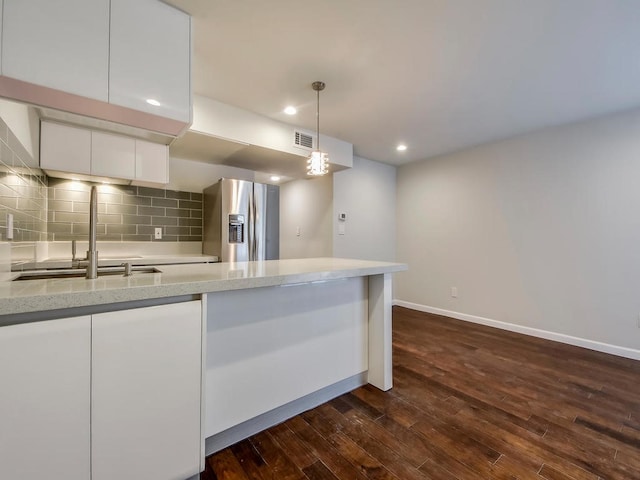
<point x="79" y="273"/>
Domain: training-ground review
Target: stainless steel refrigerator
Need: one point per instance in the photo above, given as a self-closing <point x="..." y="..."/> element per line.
<point x="241" y="221"/>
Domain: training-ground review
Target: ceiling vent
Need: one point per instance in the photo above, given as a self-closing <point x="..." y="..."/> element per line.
<point x="302" y="140"/>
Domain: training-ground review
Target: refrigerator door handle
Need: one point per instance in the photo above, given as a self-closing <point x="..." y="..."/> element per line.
<point x="259" y="221"/>
<point x="251" y="240"/>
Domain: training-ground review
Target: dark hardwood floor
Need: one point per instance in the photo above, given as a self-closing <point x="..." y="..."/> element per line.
<point x="469" y="402"/>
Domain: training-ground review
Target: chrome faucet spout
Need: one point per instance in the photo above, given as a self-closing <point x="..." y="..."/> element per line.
<point x="92" y="253"/>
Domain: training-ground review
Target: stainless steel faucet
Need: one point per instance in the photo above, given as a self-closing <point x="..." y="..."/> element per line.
<point x="92" y="253"/>
<point x="75" y="261"/>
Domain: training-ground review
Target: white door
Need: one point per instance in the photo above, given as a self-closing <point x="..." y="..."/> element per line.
<point x="45" y="400"/>
<point x="146" y="392"/>
<point x="61" y="44"/>
<point x="150" y="58"/>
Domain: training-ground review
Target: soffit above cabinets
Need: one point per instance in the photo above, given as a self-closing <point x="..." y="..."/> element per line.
<point x="194" y="145"/>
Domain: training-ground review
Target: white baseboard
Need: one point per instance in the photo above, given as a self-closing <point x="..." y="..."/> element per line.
<point x="534" y="332"/>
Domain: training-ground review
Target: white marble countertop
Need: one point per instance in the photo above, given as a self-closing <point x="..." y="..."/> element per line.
<point x="116" y="260"/>
<point x="26" y="296"/>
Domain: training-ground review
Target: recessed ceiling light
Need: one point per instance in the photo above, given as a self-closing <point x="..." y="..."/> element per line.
<point x="401" y="148"/>
<point x="290" y="110"/>
<point x="275" y="178"/>
<point x="153" y="101"/>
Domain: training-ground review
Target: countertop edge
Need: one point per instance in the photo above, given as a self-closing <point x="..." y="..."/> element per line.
<point x="126" y="293"/>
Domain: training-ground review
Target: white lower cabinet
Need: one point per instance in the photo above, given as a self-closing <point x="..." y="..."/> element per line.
<point x="45" y="400"/>
<point x="146" y="393"/>
<point x="101" y="397"/>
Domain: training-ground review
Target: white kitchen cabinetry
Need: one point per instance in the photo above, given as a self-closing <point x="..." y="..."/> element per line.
<point x="1" y="9"/>
<point x="61" y="44"/>
<point x="45" y="400"/>
<point x="150" y="47"/>
<point x="265" y="350"/>
<point x="73" y="150"/>
<point x="113" y="155"/>
<point x="152" y="162"/>
<point x="64" y="148"/>
<point x="146" y="393"/>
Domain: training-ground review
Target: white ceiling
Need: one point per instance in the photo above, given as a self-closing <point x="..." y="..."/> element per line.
<point x="438" y="75"/>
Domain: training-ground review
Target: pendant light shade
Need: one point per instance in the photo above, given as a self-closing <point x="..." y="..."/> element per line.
<point x="318" y="162"/>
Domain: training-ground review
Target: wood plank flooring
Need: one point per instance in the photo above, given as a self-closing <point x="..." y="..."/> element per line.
<point x="469" y="402"/>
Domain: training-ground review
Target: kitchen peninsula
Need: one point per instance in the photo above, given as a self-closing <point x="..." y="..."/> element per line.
<point x="205" y="351"/>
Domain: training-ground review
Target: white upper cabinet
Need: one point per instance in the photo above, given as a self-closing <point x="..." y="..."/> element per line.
<point x="61" y="44"/>
<point x="1" y="8"/>
<point x="150" y="58"/>
<point x="113" y="155"/>
<point x="152" y="162"/>
<point x="64" y="148"/>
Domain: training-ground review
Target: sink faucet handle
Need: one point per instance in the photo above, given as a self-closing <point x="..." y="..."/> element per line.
<point x="127" y="269"/>
<point x="73" y="250"/>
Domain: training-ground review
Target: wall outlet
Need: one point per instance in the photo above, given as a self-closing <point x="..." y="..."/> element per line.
<point x="297" y="231"/>
<point x="158" y="233"/>
<point x="454" y="292"/>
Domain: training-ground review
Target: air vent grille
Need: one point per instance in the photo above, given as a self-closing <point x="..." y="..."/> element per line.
<point x="303" y="140"/>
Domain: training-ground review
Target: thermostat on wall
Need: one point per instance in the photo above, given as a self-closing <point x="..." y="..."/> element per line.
<point x="342" y="216"/>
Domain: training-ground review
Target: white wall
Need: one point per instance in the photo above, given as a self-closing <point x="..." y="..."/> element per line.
<point x="306" y="204"/>
<point x="541" y="231"/>
<point x="367" y="194"/>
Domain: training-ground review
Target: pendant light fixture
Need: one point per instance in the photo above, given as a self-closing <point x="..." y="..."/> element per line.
<point x="318" y="162"/>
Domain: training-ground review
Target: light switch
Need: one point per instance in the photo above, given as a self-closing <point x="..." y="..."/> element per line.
<point x="341" y="229"/>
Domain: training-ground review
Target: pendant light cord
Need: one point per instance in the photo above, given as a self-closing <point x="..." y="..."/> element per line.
<point x="318" y="117"/>
<point x="318" y="86"/>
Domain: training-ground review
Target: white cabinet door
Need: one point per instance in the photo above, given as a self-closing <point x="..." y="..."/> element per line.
<point x="152" y="162"/>
<point x="146" y="392"/>
<point x="1" y="8"/>
<point x="150" y="50"/>
<point x="62" y="44"/>
<point x="113" y="155"/>
<point x="44" y="400"/>
<point x="64" y="148"/>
